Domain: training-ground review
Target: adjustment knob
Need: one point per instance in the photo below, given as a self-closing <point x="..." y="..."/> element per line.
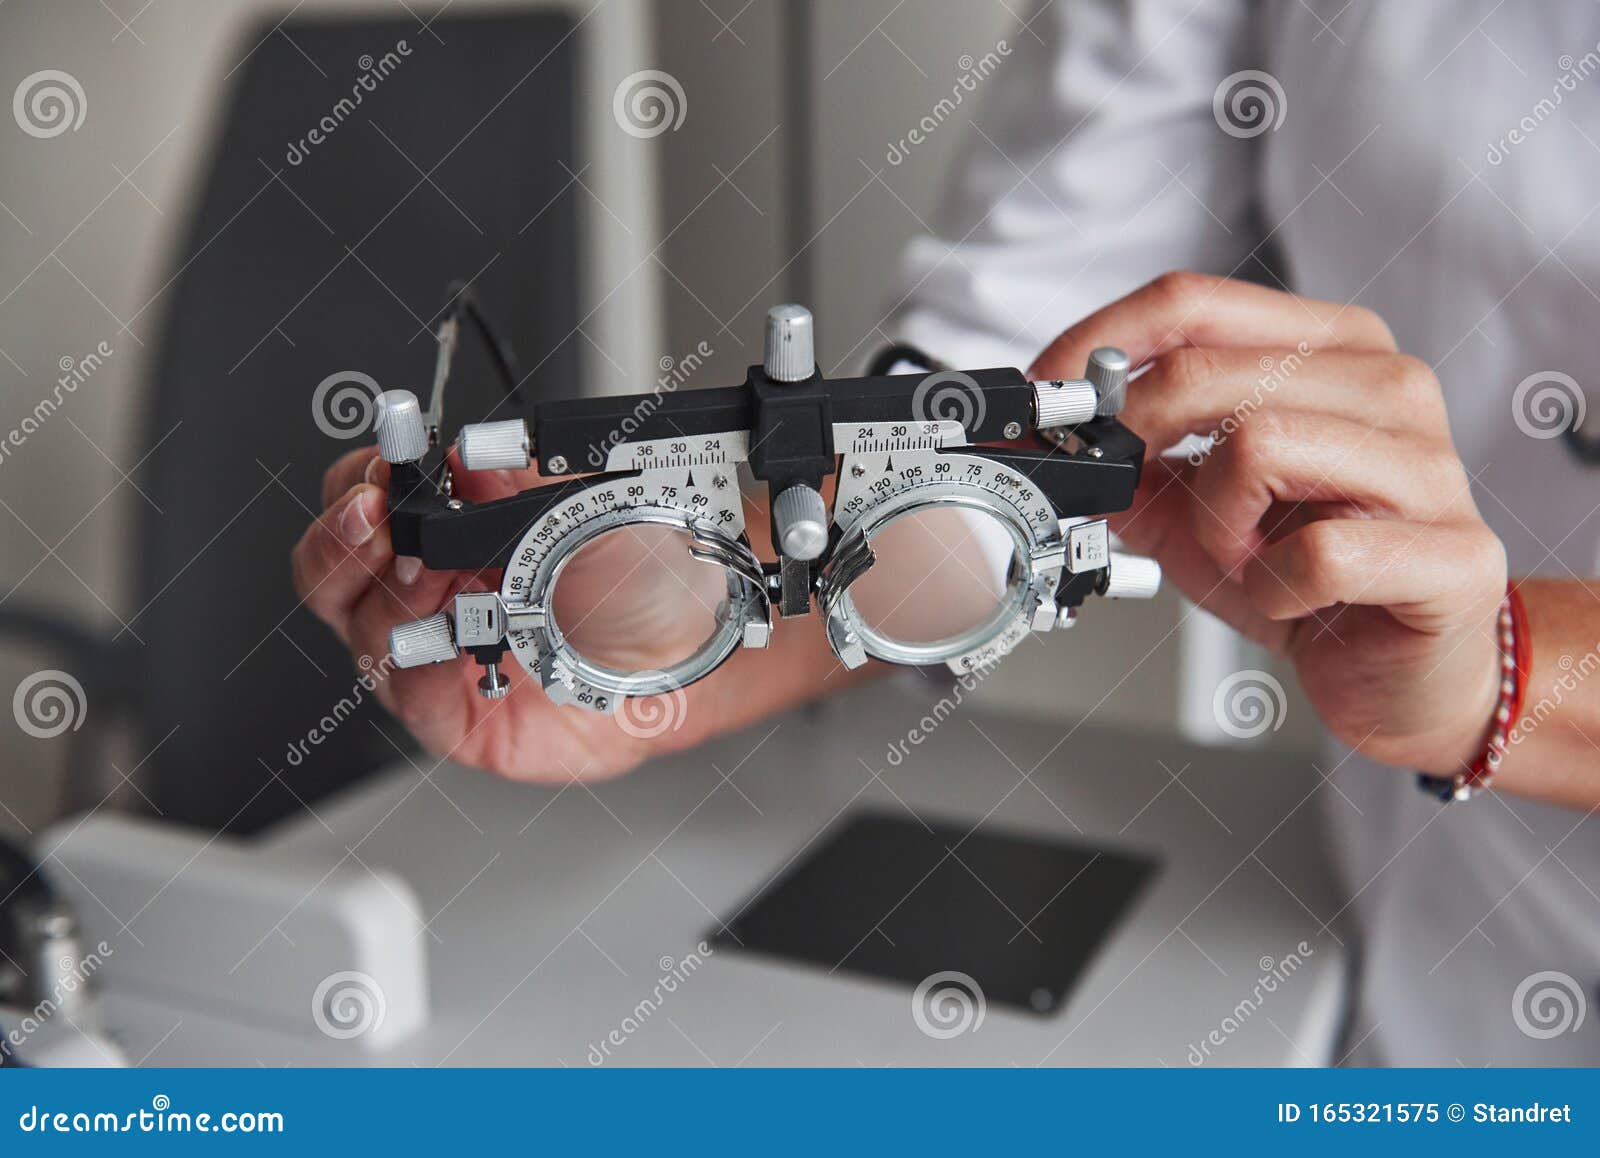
<point x="402" y="434"/>
<point x="496" y="445"/>
<point x="790" y="354"/>
<point x="1108" y="371"/>
<point x="1131" y="577"/>
<point x="493" y="684"/>
<point x="1068" y="403"/>
<point x="422" y="641"/>
<point x="800" y="518"/>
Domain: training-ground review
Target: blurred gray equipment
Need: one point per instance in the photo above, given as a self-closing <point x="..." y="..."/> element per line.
<point x="310" y="265"/>
<point x="637" y="922"/>
<point x="48" y="985"/>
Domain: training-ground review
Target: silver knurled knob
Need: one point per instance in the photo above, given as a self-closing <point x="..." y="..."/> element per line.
<point x="496" y="445"/>
<point x="801" y="519"/>
<point x="1108" y="370"/>
<point x="790" y="353"/>
<point x="1132" y="577"/>
<point x="1057" y="403"/>
<point x="422" y="641"/>
<point x="402" y="435"/>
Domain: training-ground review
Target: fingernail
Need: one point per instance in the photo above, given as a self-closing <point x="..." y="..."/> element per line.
<point x="406" y="569"/>
<point x="373" y="468"/>
<point x="354" y="526"/>
<point x="506" y="479"/>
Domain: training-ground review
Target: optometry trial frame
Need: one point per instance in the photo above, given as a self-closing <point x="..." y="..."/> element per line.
<point x="1041" y="459"/>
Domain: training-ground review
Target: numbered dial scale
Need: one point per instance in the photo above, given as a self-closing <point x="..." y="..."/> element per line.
<point x="1033" y="462"/>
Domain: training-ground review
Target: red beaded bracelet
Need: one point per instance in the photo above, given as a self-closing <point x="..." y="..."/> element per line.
<point x="1516" y="655"/>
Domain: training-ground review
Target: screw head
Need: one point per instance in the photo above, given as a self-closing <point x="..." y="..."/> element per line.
<point x="1013" y="430"/>
<point x="857" y="470"/>
<point x="557" y="464"/>
<point x="1096" y="452"/>
<point x="719" y="481"/>
<point x="493" y="684"/>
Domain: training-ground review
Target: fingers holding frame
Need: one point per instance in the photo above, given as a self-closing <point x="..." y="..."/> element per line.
<point x="1430" y="577"/>
<point x="341" y="554"/>
<point x="1191" y="309"/>
<point x="1218" y="392"/>
<point x="1280" y="468"/>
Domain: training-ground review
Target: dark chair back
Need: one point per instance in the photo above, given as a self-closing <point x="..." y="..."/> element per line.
<point x="362" y="165"/>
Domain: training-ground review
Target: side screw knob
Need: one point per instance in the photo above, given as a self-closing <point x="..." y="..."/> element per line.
<point x="493" y="684"/>
<point x="1063" y="403"/>
<point x="1108" y="370"/>
<point x="495" y="445"/>
<point x="422" y="641"/>
<point x="1131" y="577"/>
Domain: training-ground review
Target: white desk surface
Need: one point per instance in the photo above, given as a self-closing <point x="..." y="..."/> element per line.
<point x="550" y="910"/>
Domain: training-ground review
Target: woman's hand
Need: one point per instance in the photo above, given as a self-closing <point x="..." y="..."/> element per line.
<point x="633" y="599"/>
<point x="1332" y="521"/>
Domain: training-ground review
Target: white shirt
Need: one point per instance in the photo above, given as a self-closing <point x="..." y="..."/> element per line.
<point x="1439" y="163"/>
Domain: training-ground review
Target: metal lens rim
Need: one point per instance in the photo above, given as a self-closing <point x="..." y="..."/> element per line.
<point x="723" y="640"/>
<point x="951" y="647"/>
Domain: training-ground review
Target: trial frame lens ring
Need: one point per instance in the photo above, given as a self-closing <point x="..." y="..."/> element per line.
<point x="1011" y="604"/>
<point x="547" y="652"/>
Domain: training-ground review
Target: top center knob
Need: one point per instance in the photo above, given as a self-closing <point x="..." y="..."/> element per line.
<point x="790" y="354"/>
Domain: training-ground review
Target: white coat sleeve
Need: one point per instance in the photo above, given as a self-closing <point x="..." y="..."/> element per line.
<point x="1093" y="164"/>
